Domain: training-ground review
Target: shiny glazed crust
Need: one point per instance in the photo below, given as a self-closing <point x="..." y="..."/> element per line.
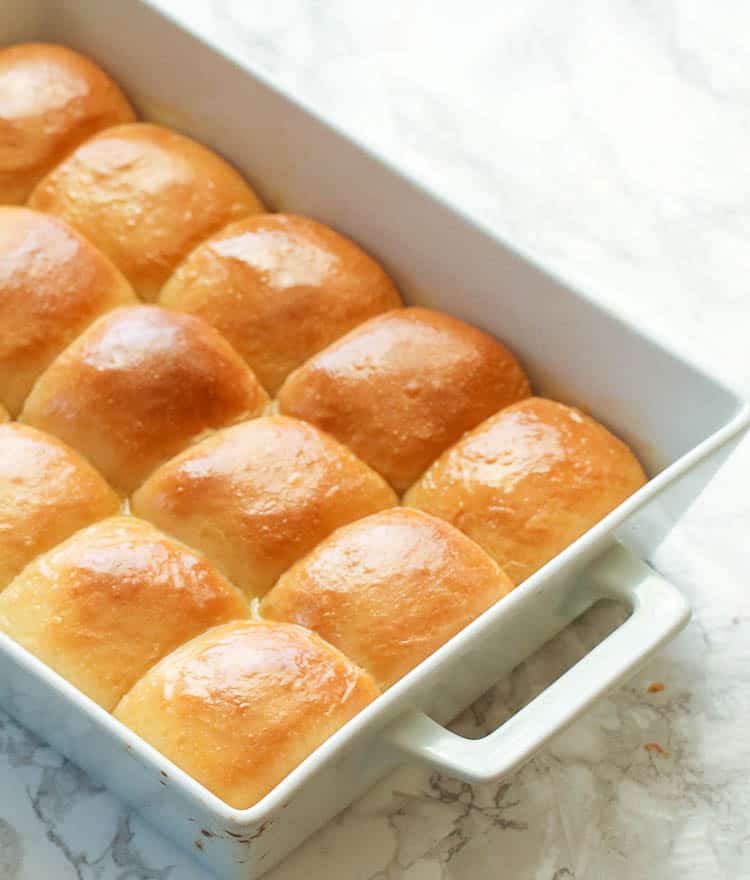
<point x="529" y="481"/>
<point x="402" y="387"/>
<point x="53" y="284"/>
<point x="297" y="509"/>
<point x="106" y="605"/>
<point x="51" y="99"/>
<point x="258" y="496"/>
<point x="47" y="492"/>
<point x="389" y="590"/>
<point x="239" y="707"/>
<point x="139" y="385"/>
<point x="145" y="196"/>
<point x="280" y="288"/>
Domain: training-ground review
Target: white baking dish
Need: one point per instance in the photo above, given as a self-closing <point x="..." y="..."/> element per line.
<point x="681" y="422"/>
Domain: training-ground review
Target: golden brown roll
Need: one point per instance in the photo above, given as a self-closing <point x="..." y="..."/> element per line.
<point x="51" y="99"/>
<point x="138" y="386"/>
<point x="106" y="605"/>
<point x="53" y="284"/>
<point x="402" y="387"/>
<point x="47" y="492"/>
<point x="145" y="196"/>
<point x="389" y="590"/>
<point x="280" y="288"/>
<point x="239" y="707"/>
<point x="529" y="481"/>
<point x="256" y="497"/>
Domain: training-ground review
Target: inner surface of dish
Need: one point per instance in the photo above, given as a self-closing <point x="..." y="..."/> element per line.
<point x="209" y="408"/>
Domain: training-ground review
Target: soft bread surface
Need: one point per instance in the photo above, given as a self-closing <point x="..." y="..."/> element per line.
<point x="258" y="496"/>
<point x="389" y="590"/>
<point x="145" y="196"/>
<point x="280" y="288"/>
<point x="402" y="387"/>
<point x="239" y="707"/>
<point x="51" y="99"/>
<point x="105" y="606"/>
<point x="47" y="492"/>
<point x="529" y="481"/>
<point x="150" y="613"/>
<point x="139" y="385"/>
<point x="53" y="284"/>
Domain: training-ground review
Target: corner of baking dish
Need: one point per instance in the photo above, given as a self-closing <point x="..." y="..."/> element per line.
<point x="394" y="702"/>
<point x="390" y="705"/>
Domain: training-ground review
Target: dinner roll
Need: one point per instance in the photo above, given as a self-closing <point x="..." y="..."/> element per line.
<point x="103" y="607"/>
<point x="145" y="196"/>
<point x="138" y="386"/>
<point x="53" y="284"/>
<point x="280" y="288"/>
<point x="529" y="481"/>
<point x="51" y="99"/>
<point x="242" y="705"/>
<point x="47" y="492"/>
<point x="256" y="497"/>
<point x="389" y="590"/>
<point x="402" y="387"/>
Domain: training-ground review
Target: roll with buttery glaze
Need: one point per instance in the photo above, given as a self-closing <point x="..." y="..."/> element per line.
<point x="53" y="284"/>
<point x="47" y="492"/>
<point x="51" y="99"/>
<point x="389" y="590"/>
<point x="402" y="387"/>
<point x="145" y="196"/>
<point x="106" y="605"/>
<point x="256" y="497"/>
<point x="138" y="386"/>
<point x="239" y="707"/>
<point x="528" y="482"/>
<point x="280" y="288"/>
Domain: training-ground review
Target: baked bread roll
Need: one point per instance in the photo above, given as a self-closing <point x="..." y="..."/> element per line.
<point x="256" y="497"/>
<point x="53" y="284"/>
<point x="138" y="386"/>
<point x="239" y="707"/>
<point x="47" y="492"/>
<point x="106" y="605"/>
<point x="145" y="196"/>
<point x="402" y="387"/>
<point x="389" y="590"/>
<point x="528" y="482"/>
<point x="51" y="99"/>
<point x="280" y="288"/>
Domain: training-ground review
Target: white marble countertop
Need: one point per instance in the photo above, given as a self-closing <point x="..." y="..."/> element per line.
<point x="612" y="141"/>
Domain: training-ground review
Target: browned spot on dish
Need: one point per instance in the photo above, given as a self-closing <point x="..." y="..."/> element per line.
<point x="248" y="838"/>
<point x="655" y="747"/>
<point x="656" y="687"/>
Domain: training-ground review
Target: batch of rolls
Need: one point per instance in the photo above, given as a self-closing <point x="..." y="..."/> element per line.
<point x="243" y="488"/>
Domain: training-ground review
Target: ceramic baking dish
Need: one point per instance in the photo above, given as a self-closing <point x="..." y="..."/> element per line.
<point x="681" y="422"/>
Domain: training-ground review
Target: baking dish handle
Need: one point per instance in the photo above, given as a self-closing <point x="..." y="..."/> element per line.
<point x="658" y="612"/>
